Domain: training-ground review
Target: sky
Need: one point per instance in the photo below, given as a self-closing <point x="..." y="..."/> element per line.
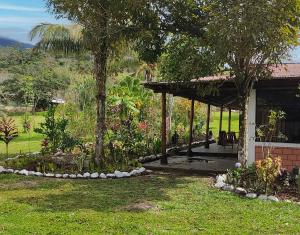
<point x="17" y="17"/>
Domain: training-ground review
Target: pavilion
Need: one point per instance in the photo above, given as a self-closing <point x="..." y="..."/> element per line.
<point x="279" y="91"/>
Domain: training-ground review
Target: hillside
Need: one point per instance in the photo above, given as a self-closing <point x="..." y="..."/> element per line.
<point x="6" y="42"/>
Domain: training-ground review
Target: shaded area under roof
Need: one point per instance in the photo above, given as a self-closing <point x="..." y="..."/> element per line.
<point x="220" y="90"/>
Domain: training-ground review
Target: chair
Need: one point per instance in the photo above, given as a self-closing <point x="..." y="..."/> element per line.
<point x="231" y="138"/>
<point x="222" y="138"/>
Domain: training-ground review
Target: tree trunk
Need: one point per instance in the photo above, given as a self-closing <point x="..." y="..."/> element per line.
<point x="6" y="144"/>
<point x="243" y="132"/>
<point x="100" y="70"/>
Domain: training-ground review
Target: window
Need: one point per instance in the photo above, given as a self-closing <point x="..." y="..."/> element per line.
<point x="283" y="100"/>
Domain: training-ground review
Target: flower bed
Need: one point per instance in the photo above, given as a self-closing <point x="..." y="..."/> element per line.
<point x="264" y="180"/>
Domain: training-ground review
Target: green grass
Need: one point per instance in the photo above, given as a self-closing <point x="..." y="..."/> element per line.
<point x="184" y="205"/>
<point x="215" y="122"/>
<point x="24" y="143"/>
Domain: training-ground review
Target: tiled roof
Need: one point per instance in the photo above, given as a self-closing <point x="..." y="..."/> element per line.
<point x="287" y="71"/>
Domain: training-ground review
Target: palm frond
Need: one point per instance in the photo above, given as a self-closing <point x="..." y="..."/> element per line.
<point x="65" y="39"/>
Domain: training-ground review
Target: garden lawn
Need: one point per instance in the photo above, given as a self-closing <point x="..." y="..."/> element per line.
<point x="25" y="142"/>
<point x="182" y="205"/>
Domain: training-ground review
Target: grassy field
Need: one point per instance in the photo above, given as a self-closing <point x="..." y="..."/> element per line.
<point x="180" y="205"/>
<point x="215" y="122"/>
<point x="24" y="143"/>
<point x="32" y="142"/>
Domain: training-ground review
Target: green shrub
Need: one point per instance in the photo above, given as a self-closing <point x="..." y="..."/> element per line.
<point x="22" y="162"/>
<point x="261" y="177"/>
<point x="56" y="132"/>
<point x="267" y="171"/>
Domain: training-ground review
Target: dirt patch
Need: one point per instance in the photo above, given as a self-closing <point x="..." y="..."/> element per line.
<point x="290" y="193"/>
<point x="141" y="206"/>
<point x="18" y="185"/>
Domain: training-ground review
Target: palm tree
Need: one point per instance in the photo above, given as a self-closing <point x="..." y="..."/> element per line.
<point x="72" y="39"/>
<point x="67" y="39"/>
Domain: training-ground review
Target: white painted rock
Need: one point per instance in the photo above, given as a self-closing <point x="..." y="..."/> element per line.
<point x="95" y="175"/>
<point x="263" y="197"/>
<point x="2" y="169"/>
<point x="86" y="175"/>
<point x="72" y="176"/>
<point x="220" y="185"/>
<point x="141" y="170"/>
<point x="240" y="191"/>
<point x="9" y="171"/>
<point x="65" y="176"/>
<point x="50" y="175"/>
<point x="58" y="176"/>
<point x="134" y="172"/>
<point x="221" y="178"/>
<point x="79" y="176"/>
<point x="287" y="201"/>
<point x="228" y="188"/>
<point x="251" y="195"/>
<point x="23" y="172"/>
<point x="31" y="173"/>
<point x="16" y="171"/>
<point x="119" y="174"/>
<point x="38" y="174"/>
<point x="273" y="198"/>
<point x="111" y="176"/>
<point x="102" y="176"/>
<point x="149" y="171"/>
<point x="126" y="174"/>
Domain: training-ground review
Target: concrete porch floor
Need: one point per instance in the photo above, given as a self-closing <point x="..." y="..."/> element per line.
<point x="215" y="160"/>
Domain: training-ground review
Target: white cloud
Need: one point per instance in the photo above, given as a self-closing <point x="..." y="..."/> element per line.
<point x="20" y="8"/>
<point x="9" y="21"/>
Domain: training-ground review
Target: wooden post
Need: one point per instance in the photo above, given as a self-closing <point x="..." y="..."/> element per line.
<point x="221" y="122"/>
<point x="191" y="127"/>
<point x="229" y="120"/>
<point x="164" y="159"/>
<point x="207" y="127"/>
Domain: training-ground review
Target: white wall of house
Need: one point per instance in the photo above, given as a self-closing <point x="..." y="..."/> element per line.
<point x="251" y="127"/>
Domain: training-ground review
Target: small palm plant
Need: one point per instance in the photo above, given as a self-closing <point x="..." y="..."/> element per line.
<point x="8" y="131"/>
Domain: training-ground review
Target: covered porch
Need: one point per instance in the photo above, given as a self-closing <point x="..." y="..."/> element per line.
<point x="216" y="156"/>
<point x="214" y="160"/>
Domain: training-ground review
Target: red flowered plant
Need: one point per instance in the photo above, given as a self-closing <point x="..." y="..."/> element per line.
<point x="143" y="126"/>
<point x="8" y="131"/>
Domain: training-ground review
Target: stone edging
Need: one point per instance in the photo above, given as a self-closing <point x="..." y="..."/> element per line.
<point x="222" y="185"/>
<point x="87" y="175"/>
<point x="153" y="157"/>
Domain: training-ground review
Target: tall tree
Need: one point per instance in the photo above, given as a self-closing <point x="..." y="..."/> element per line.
<point x="102" y="26"/>
<point x="250" y="36"/>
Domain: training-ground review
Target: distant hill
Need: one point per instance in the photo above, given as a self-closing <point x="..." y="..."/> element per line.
<point x="6" y="42"/>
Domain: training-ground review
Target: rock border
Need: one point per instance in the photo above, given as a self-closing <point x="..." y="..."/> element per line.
<point x="86" y="175"/>
<point x="171" y="150"/>
<point x="222" y="185"/>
